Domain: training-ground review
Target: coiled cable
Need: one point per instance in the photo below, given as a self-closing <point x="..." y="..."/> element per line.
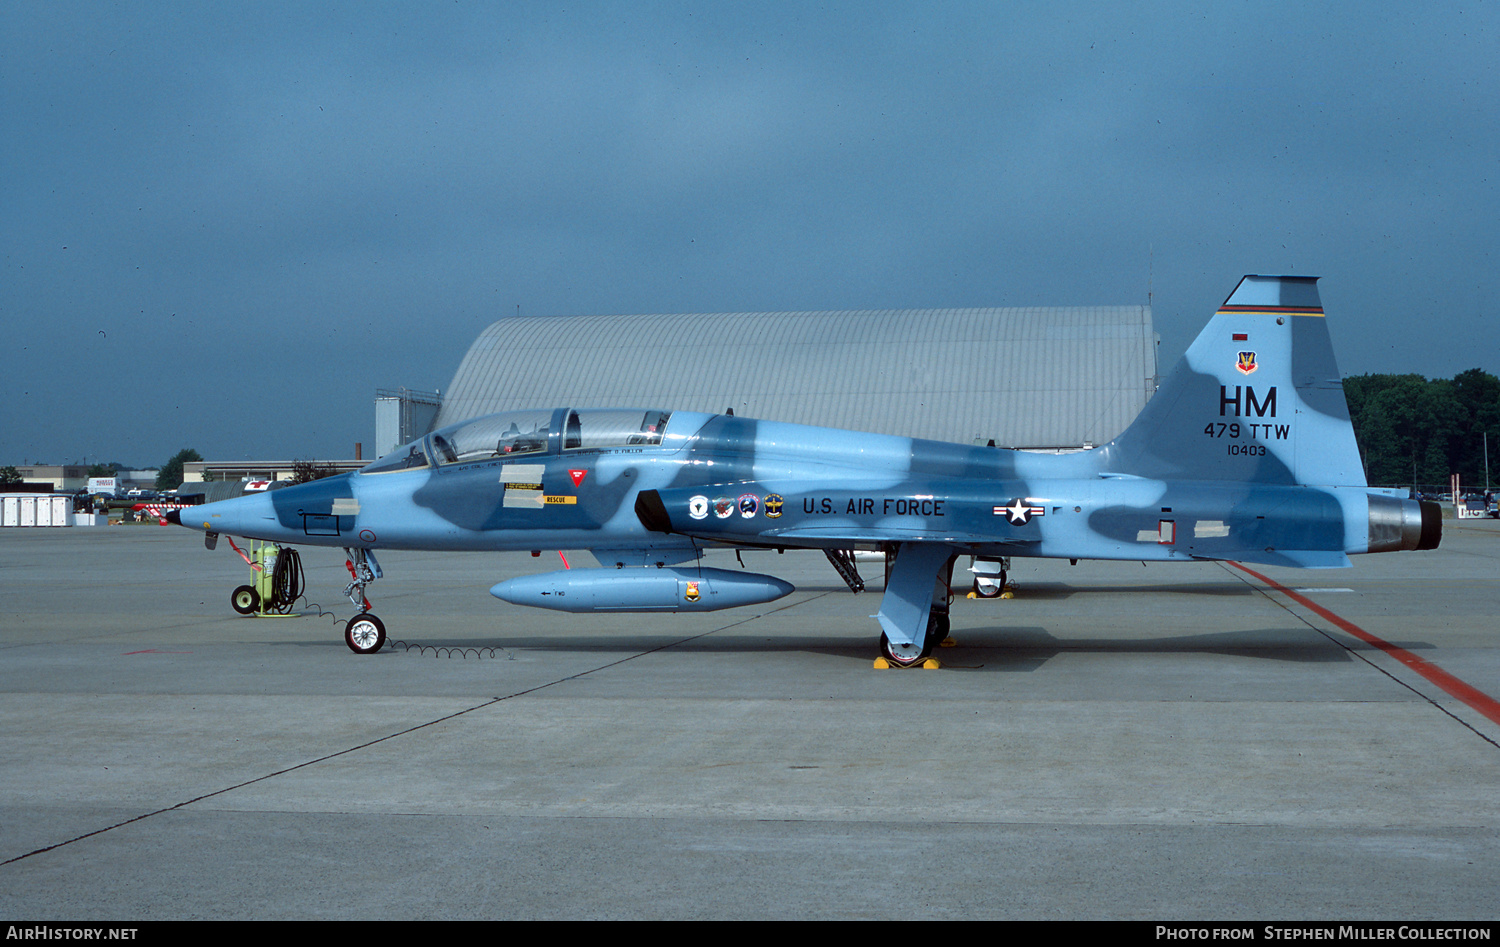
<point x="287" y="582"/>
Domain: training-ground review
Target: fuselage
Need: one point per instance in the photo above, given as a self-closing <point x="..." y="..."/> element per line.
<point x="694" y="479"/>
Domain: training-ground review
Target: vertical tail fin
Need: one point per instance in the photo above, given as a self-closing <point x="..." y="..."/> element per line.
<point x="1257" y="397"/>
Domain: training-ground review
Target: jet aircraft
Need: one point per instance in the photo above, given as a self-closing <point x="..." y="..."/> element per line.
<point x="1244" y="453"/>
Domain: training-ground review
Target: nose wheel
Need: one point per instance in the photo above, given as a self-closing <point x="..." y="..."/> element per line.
<point x="364" y="634"/>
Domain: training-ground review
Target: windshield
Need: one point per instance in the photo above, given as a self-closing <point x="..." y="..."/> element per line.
<point x="407" y="457"/>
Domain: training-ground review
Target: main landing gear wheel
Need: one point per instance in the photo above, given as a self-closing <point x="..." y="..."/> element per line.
<point x="364" y="634"/>
<point x="989" y="589"/>
<point x="910" y="655"/>
<point x="244" y="600"/>
<point x="904" y="655"/>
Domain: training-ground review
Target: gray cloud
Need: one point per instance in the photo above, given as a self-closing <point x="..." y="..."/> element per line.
<point x="208" y="208"/>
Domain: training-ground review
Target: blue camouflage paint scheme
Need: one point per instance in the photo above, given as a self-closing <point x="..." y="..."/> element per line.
<point x="1221" y="464"/>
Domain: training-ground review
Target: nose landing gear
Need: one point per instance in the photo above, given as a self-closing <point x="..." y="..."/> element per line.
<point x="365" y="634"/>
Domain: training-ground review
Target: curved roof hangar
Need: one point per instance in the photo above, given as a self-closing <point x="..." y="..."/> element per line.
<point x="1049" y="378"/>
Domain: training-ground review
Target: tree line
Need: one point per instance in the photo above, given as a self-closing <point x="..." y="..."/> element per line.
<point x="1415" y="431"/>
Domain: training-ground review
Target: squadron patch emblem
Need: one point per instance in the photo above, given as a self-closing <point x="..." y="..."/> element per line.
<point x="692" y="592"/>
<point x="773" y="505"/>
<point x="698" y="507"/>
<point x="749" y="505"/>
<point x="1246" y="364"/>
<point x="723" y="507"/>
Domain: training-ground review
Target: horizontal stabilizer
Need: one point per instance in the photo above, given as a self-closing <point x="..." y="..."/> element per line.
<point x="1297" y="558"/>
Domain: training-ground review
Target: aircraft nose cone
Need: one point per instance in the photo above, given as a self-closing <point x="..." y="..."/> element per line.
<point x="250" y="515"/>
<point x="174" y="517"/>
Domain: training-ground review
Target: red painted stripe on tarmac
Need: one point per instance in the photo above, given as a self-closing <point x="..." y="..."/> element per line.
<point x="1475" y="698"/>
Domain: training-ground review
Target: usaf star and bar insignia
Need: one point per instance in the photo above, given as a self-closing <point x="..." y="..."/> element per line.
<point x="1020" y="511"/>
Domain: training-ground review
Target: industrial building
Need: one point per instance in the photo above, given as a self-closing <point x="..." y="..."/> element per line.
<point x="199" y="471"/>
<point x="58" y="476"/>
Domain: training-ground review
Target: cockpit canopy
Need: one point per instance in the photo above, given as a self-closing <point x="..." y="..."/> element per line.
<point x="518" y="433"/>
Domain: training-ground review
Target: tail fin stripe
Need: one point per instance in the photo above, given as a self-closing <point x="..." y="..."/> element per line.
<point x="1275" y="310"/>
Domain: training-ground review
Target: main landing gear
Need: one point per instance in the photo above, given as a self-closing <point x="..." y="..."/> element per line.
<point x="910" y="655"/>
<point x="365" y="634"/>
<point x="918" y="586"/>
<point x="989" y="576"/>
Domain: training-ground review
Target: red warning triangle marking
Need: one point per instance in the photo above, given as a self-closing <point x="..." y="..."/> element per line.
<point x="577" y="476"/>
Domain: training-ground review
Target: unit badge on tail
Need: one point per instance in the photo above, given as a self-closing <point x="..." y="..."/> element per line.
<point x="1246" y="364"/>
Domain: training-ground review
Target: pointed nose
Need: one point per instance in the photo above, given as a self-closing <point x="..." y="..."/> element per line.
<point x="250" y="515"/>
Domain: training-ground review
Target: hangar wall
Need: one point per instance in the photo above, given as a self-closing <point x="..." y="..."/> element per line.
<point x="1057" y="377"/>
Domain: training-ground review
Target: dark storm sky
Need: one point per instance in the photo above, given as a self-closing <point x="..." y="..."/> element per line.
<point x="223" y="226"/>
